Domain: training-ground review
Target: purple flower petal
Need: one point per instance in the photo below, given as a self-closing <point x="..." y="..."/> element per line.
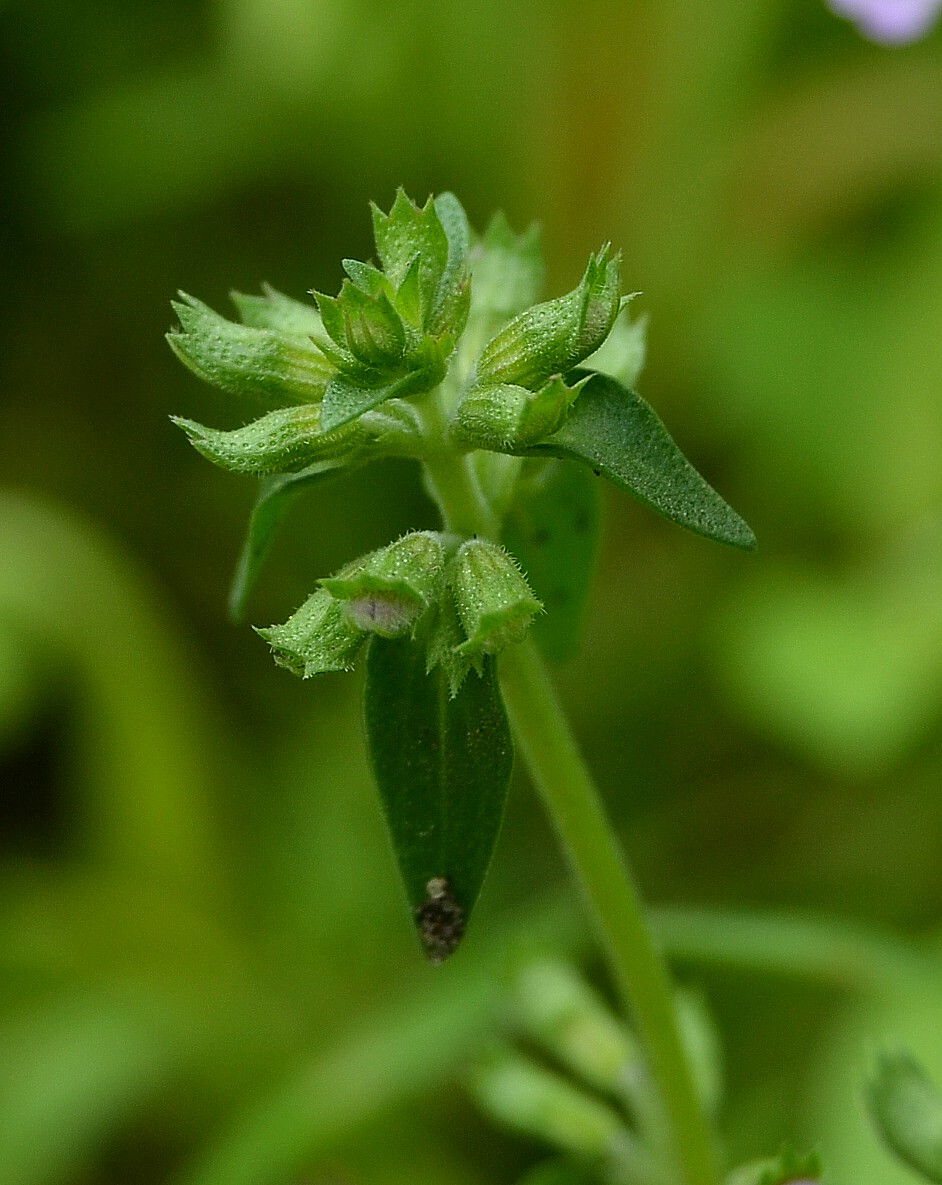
<point x="890" y="22"/>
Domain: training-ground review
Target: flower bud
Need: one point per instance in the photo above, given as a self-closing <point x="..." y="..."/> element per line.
<point x="387" y="592"/>
<point x="553" y="337"/>
<point x="280" y="442"/>
<point x="275" y="367"/>
<point x="316" y="639"/>
<point x="364" y="325"/>
<point x="494" y="602"/>
<point x="504" y="417"/>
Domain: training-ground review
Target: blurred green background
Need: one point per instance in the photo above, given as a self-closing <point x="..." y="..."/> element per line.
<point x="207" y="970"/>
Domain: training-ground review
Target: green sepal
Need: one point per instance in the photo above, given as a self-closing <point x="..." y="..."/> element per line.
<point x="284" y="440"/>
<point x="553" y="529"/>
<point x="390" y="589"/>
<point x="906" y="1107"/>
<point x="553" y="337"/>
<point x="276" y="495"/>
<point x="316" y="639"/>
<point x="502" y="416"/>
<point x="348" y="396"/>
<point x="444" y="641"/>
<point x="452" y="302"/>
<point x="274" y="310"/>
<point x="613" y="431"/>
<point x="495" y="604"/>
<point x="439" y="237"/>
<point x="442" y="765"/>
<point x="788" y="1168"/>
<point x="367" y="278"/>
<point x="272" y="367"/>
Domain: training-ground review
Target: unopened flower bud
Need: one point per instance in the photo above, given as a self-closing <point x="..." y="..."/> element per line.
<point x="504" y="417"/>
<point x="387" y="591"/>
<point x="316" y="639"/>
<point x="274" y="367"/>
<point x="494" y="601"/>
<point x="552" y="338"/>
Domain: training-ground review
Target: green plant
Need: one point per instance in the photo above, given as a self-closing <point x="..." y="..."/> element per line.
<point x="440" y="354"/>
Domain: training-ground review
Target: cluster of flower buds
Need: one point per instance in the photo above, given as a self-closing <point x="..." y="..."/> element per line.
<point x="468" y="599"/>
<point x="435" y="352"/>
<point x="344" y="381"/>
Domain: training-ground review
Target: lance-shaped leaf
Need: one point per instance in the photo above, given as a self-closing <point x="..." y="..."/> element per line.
<point x="554" y="337"/>
<point x="273" y="367"/>
<point x="442" y="764"/>
<point x="612" y="430"/>
<point x="287" y="439"/>
<point x="907" y="1109"/>
<point x="553" y="530"/>
<point x="276" y="496"/>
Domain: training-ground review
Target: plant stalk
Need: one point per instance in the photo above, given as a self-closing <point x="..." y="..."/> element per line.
<point x="592" y="851"/>
<point x="599" y="868"/>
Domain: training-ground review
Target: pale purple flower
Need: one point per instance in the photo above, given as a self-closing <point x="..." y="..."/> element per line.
<point x="890" y="22"/>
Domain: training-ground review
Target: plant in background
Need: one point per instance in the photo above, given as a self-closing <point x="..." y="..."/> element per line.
<point x="513" y="409"/>
<point x="891" y="22"/>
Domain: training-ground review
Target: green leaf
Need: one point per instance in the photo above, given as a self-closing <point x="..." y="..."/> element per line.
<point x="907" y="1109"/>
<point x="276" y="495"/>
<point x="612" y="430"/>
<point x="553" y="530"/>
<point x="443" y="767"/>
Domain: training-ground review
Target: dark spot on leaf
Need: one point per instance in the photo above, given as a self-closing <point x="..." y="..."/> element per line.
<point x="440" y="920"/>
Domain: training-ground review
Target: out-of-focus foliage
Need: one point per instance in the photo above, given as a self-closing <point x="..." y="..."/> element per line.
<point x="207" y="973"/>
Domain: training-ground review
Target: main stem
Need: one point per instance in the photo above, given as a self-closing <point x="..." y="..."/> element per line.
<point x="592" y="851"/>
<point x="600" y="870"/>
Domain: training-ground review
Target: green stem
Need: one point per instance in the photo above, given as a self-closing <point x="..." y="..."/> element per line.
<point x="599" y="868"/>
<point x="586" y="835"/>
